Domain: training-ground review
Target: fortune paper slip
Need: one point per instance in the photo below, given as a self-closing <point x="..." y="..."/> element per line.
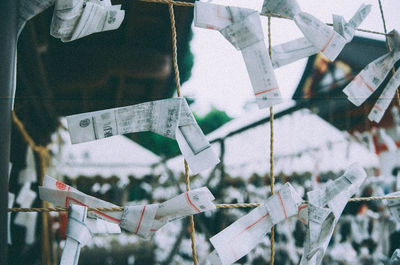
<point x="372" y="76"/>
<point x="297" y="49"/>
<point x="74" y="19"/>
<point x="242" y="236"/>
<point x="171" y="118"/>
<point x="143" y="220"/>
<point x="324" y="209"/>
<point x="242" y="28"/>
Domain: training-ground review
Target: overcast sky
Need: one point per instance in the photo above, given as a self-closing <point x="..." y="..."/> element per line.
<point x="219" y="76"/>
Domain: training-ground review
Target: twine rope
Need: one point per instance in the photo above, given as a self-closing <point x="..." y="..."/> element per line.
<point x="188" y="4"/>
<point x="219" y="206"/>
<point x="388" y="46"/>
<point x="271" y="151"/>
<point x="179" y="94"/>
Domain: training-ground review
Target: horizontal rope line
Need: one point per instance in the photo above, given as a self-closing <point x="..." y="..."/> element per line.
<point x="223" y="205"/>
<point x="180" y="3"/>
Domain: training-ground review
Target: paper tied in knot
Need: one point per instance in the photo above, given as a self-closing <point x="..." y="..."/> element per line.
<point x="242" y="28"/>
<point x="372" y="76"/>
<point x="324" y="209"/>
<point x="171" y="118"/>
<point x="80" y="230"/>
<point x="244" y="234"/>
<point x="25" y="199"/>
<point x="142" y="220"/>
<point x="74" y="19"/>
<point x="394" y="206"/>
<point x="145" y="220"/>
<point x="318" y="36"/>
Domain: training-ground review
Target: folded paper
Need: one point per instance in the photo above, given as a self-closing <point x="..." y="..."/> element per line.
<point x="243" y="235"/>
<point x="11" y="198"/>
<point x="242" y="28"/>
<point x="143" y="220"/>
<point x="27" y="9"/>
<point x="395" y="259"/>
<point x="372" y="76"/>
<point x="324" y="209"/>
<point x="394" y="206"/>
<point x="80" y="230"/>
<point x="74" y="19"/>
<point x="297" y="49"/>
<point x="169" y="117"/>
<point x="322" y="38"/>
<point x="25" y="199"/>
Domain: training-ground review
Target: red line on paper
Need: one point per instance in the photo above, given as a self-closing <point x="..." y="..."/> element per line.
<point x="282" y="204"/>
<point x="191" y="203"/>
<point x="153" y="230"/>
<point x="265" y="91"/>
<point x="68" y="199"/>
<point x="327" y="43"/>
<point x="222" y="17"/>
<point x="256" y="222"/>
<point x="365" y="82"/>
<point x="141" y="218"/>
<point x="377" y="107"/>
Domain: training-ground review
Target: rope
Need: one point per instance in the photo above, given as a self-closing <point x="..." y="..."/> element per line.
<point x="219" y="206"/>
<point x="187" y="4"/>
<point x="43" y="154"/>
<point x="271" y="150"/>
<point x="178" y="91"/>
<point x="388" y="46"/>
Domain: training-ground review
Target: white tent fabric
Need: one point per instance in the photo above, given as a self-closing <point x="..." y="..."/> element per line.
<point x="302" y="142"/>
<point x="114" y="156"/>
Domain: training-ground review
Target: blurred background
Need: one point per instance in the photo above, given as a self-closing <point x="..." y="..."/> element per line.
<point x="318" y="133"/>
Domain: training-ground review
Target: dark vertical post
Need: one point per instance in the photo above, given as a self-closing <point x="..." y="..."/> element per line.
<point x="8" y="43"/>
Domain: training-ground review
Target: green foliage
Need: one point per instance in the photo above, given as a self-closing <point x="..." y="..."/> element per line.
<point x="166" y="147"/>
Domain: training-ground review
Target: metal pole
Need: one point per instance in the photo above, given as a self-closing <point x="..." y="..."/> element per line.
<point x="8" y="46"/>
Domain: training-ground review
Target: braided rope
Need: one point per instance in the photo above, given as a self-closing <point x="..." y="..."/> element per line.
<point x="271" y="151"/>
<point x="388" y="46"/>
<point x="178" y="91"/>
<point x="219" y="206"/>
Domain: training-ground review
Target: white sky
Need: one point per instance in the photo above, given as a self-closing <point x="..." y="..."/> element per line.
<point x="219" y="77"/>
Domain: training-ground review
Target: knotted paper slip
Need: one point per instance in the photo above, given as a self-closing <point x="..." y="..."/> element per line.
<point x="297" y="49"/>
<point x="395" y="259"/>
<point x="25" y="199"/>
<point x="80" y="230"/>
<point x="322" y="37"/>
<point x="74" y="19"/>
<point x="11" y="198"/>
<point x="243" y="235"/>
<point x="324" y="209"/>
<point x="394" y="206"/>
<point x="142" y="220"/>
<point x="372" y="76"/>
<point x="242" y="28"/>
<point x="169" y="117"/>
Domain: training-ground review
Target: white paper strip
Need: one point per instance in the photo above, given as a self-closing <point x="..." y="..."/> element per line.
<point x="394" y="206"/>
<point x="243" y="235"/>
<point x="395" y="259"/>
<point x="169" y="117"/>
<point x="25" y="199"/>
<point x="324" y="209"/>
<point x="321" y="36"/>
<point x="11" y="198"/>
<point x="28" y="174"/>
<point x="372" y="76"/>
<point x="143" y="220"/>
<point x="242" y="28"/>
<point x="74" y="19"/>
<point x="27" y="9"/>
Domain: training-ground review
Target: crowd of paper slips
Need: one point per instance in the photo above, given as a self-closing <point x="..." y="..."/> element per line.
<point x="74" y="19"/>
<point x="320" y="214"/>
